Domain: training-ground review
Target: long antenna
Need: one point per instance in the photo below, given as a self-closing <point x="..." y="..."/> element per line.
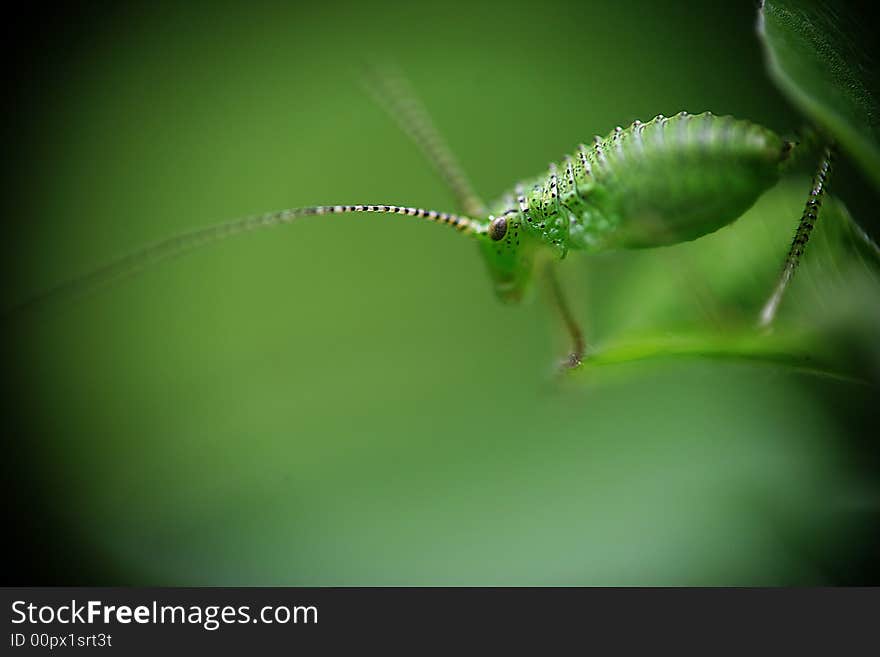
<point x="394" y="93"/>
<point x="177" y="245"/>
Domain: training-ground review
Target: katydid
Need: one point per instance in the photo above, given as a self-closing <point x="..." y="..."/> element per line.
<point x="665" y="181"/>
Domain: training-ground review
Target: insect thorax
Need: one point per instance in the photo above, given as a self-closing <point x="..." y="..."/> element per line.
<point x="665" y="181"/>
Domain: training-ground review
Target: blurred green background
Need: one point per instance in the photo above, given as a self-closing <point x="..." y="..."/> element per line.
<point x="343" y="401"/>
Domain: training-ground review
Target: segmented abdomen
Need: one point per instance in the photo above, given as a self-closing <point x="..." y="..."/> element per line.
<point x="666" y="181"/>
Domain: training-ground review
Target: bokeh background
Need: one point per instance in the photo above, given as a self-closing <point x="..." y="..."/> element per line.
<point x="343" y="401"/>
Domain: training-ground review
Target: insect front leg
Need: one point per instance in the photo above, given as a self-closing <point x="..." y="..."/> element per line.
<point x="802" y="235"/>
<point x="578" y="345"/>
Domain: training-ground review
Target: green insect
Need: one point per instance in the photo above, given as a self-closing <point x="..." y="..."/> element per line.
<point x="665" y="181"/>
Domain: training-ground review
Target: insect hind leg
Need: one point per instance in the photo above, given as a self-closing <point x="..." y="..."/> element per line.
<point x="801" y="237"/>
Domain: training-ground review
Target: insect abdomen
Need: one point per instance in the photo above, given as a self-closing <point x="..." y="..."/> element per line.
<point x="671" y="180"/>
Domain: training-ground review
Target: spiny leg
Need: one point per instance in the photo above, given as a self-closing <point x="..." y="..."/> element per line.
<point x="802" y="235"/>
<point x="396" y="96"/>
<point x="578" y="345"/>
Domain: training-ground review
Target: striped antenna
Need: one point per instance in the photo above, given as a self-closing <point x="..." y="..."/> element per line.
<point x="172" y="247"/>
<point x="394" y="93"/>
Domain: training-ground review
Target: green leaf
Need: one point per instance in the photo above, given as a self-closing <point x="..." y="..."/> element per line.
<point x="701" y="299"/>
<point x="816" y="55"/>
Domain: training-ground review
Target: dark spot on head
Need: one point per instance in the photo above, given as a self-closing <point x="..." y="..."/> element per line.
<point x="498" y="228"/>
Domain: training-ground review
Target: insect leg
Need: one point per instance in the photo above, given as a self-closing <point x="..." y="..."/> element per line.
<point x="393" y="92"/>
<point x="578" y="345"/>
<point x="806" y="144"/>
<point x="802" y="235"/>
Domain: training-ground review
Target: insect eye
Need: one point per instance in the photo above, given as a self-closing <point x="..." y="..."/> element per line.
<point x="498" y="228"/>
